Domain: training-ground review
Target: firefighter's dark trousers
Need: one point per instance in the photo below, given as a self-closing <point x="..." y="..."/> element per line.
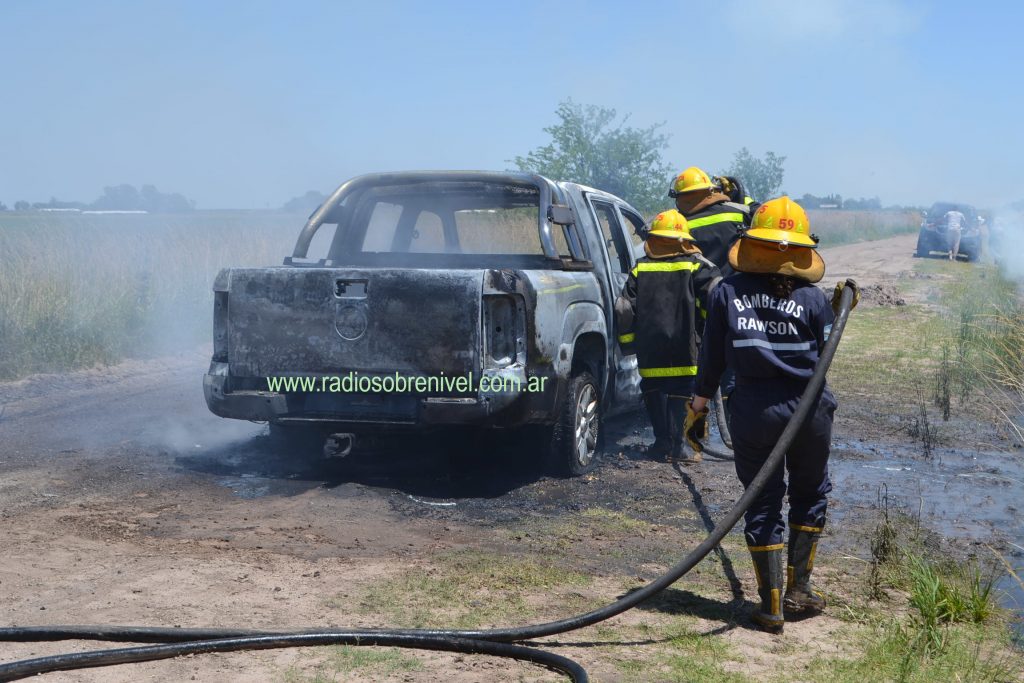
<point x="759" y="411"/>
<point x="670" y="386"/>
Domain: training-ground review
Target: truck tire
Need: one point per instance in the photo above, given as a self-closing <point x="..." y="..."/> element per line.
<point x="922" y="247"/>
<point x="576" y="437"/>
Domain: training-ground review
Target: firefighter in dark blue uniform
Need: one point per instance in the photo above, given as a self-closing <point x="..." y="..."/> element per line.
<point x="717" y="211"/>
<point x="769" y="322"/>
<point x="715" y="221"/>
<point x="660" y="314"/>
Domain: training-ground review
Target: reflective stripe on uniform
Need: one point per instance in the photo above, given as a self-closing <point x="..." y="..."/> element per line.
<point x="654" y="267"/>
<point x="776" y="346"/>
<point x="765" y="548"/>
<point x="627" y="338"/>
<point x="680" y="371"/>
<point x="692" y="223"/>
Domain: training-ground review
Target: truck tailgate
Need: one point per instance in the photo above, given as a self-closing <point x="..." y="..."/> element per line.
<point x="286" y="320"/>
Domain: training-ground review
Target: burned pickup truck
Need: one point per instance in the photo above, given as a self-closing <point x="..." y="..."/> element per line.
<point x="427" y="300"/>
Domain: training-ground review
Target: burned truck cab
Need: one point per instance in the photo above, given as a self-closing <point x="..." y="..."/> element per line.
<point x="436" y="299"/>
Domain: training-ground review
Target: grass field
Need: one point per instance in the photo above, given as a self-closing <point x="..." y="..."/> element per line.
<point x="82" y="290"/>
<point x="845" y="227"/>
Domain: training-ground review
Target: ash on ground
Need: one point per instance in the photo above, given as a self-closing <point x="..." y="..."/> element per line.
<point x="881" y="294"/>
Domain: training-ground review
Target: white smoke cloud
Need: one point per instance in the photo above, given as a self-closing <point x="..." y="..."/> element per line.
<point x="1006" y="234"/>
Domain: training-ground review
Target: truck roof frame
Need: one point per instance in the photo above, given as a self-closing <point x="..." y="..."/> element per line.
<point x="546" y="188"/>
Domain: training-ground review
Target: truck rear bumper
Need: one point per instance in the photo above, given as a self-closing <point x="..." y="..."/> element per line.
<point x="364" y="410"/>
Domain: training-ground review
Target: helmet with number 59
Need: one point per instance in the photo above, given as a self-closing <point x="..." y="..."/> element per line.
<point x="782" y="221"/>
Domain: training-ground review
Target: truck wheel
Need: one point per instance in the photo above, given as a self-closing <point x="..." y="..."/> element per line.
<point x="922" y="247"/>
<point x="577" y="434"/>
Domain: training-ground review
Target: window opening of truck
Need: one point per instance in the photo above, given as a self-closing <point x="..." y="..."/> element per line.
<point x="611" y="233"/>
<point x="637" y="226"/>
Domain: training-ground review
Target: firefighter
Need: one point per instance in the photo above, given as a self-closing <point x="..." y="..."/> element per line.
<point x="769" y="323"/>
<point x="660" y="314"/>
<point x="715" y="221"/>
<point x="718" y="211"/>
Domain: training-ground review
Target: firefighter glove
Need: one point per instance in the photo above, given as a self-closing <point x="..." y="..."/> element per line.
<point x="838" y="293"/>
<point x="695" y="428"/>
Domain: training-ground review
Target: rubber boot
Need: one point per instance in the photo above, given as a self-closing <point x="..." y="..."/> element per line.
<point x="676" y="417"/>
<point x="800" y="595"/>
<point x="655" y="402"/>
<point x="768" y="571"/>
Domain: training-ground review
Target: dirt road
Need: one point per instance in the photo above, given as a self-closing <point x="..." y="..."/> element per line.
<point x="870" y="263"/>
<point x="124" y="501"/>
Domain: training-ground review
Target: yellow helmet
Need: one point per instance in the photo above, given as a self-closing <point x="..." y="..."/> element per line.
<point x="670" y="224"/>
<point x="689" y="180"/>
<point x="783" y="221"/>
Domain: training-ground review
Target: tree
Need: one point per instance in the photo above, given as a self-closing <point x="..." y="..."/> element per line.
<point x="591" y="146"/>
<point x="829" y="201"/>
<point x="762" y="178"/>
<point x="119" y="198"/>
<point x="3" y="207"/>
<point x="306" y="203"/>
<point x="127" y="198"/>
<point x="55" y="203"/>
<point x="22" y="205"/>
<point x="863" y="204"/>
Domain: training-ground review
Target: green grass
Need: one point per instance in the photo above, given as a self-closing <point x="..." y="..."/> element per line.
<point x="882" y="348"/>
<point x="960" y="349"/>
<point x="468" y="590"/>
<point x="925" y="615"/>
<point x="614" y="523"/>
<point x="562" y="533"/>
<point x="684" y="656"/>
<point x="347" y="659"/>
<point x="894" y="652"/>
<point x="986" y="346"/>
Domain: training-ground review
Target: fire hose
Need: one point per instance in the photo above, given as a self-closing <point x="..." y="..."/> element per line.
<point x="722" y="421"/>
<point x="501" y="642"/>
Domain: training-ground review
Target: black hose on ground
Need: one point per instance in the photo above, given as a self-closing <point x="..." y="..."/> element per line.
<point x="195" y="641"/>
<point x="129" y="655"/>
<point x="722" y="420"/>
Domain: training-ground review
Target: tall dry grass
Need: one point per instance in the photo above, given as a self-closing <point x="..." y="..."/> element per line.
<point x="80" y="290"/>
<point x="985" y="317"/>
<point x="846" y="227"/>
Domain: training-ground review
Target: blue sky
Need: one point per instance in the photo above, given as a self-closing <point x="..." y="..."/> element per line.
<point x="248" y="104"/>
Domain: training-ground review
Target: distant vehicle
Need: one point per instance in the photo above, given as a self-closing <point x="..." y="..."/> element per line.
<point x="933" y="231"/>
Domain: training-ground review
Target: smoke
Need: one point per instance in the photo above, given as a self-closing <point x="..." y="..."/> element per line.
<point x="1006" y="234"/>
<point x="107" y="321"/>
